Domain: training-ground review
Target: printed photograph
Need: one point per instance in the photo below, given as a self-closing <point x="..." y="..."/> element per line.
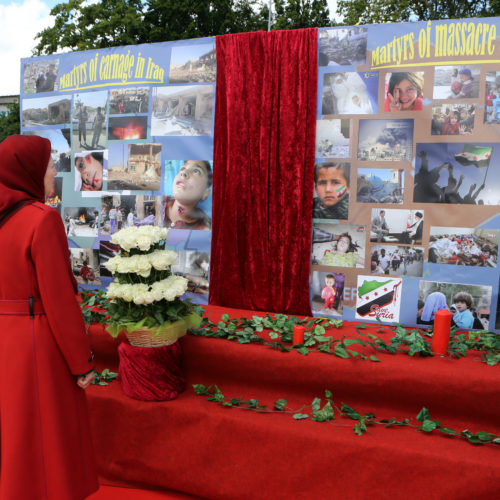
<point x="37" y="111"/>
<point x="194" y="266"/>
<point x="397" y="226"/>
<point x="135" y="167"/>
<point x="54" y="198"/>
<point x="90" y="170"/>
<point x="188" y="186"/>
<point x="385" y="140"/>
<point x="378" y="298"/>
<point x="120" y="211"/>
<point x="397" y="260"/>
<point x="456" y="82"/>
<point x="338" y="245"/>
<point x="130" y="100"/>
<point x="404" y="91"/>
<point x="107" y="250"/>
<point x="85" y="266"/>
<point x="463" y="246"/>
<point x="331" y="190"/>
<point x="469" y="304"/>
<point x="127" y="128"/>
<point x="182" y="110"/>
<point x="457" y="173"/>
<point x="89" y="121"/>
<point x="333" y="138"/>
<point x="327" y="291"/>
<point x="453" y="119"/>
<point x="193" y="63"/>
<point x="350" y="93"/>
<point x="40" y="76"/>
<point x="81" y="221"/>
<point x="380" y="185"/>
<point x="60" y="140"/>
<point x="492" y="97"/>
<point x="342" y="46"/>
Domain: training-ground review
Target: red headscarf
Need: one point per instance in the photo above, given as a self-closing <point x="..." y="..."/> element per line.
<point x="23" y="163"/>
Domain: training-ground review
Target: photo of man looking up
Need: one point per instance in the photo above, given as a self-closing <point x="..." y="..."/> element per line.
<point x="191" y="185"/>
<point x="331" y="183"/>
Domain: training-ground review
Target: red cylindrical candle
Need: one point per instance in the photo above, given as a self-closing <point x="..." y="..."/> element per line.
<point x="298" y="334"/>
<point x="441" y="335"/>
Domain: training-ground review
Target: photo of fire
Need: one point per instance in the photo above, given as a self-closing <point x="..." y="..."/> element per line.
<point x="81" y="221"/>
<point x="123" y="128"/>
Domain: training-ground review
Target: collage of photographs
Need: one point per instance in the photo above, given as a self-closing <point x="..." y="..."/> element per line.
<point x="387" y="184"/>
<point x="116" y="167"/>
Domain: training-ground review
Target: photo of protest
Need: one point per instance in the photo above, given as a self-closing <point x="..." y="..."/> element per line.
<point x="41" y="76"/>
<point x="492" y="97"/>
<point x="90" y="170"/>
<point x="463" y="246"/>
<point x="397" y="260"/>
<point x="120" y="211"/>
<point x="397" y="226"/>
<point x="188" y="200"/>
<point x="81" y="221"/>
<point x="456" y="82"/>
<point x="193" y="63"/>
<point x="129" y="100"/>
<point x="135" y="167"/>
<point x="182" y="110"/>
<point x="342" y="46"/>
<point x="338" y="245"/>
<point x="456" y="173"/>
<point x="332" y="138"/>
<point x="379" y="298"/>
<point x="37" y="111"/>
<point x="54" y="198"/>
<point x="350" y="93"/>
<point x="469" y="304"/>
<point x="89" y="121"/>
<point x="404" y="91"/>
<point x="127" y="128"/>
<point x="331" y="190"/>
<point x="107" y="250"/>
<point x="327" y="291"/>
<point x="85" y="266"/>
<point x="194" y="266"/>
<point x="452" y="119"/>
<point x="60" y="140"/>
<point x="385" y="140"/>
<point x="380" y="185"/>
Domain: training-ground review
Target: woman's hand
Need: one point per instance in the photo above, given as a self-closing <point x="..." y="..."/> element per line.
<point x="84" y="381"/>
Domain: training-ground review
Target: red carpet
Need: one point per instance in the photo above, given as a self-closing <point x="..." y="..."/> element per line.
<point x="115" y="493"/>
<point x="200" y="448"/>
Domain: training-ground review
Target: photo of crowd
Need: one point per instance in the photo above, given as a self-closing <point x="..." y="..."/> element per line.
<point x="129" y="100"/>
<point x="380" y="185"/>
<point x="453" y="119"/>
<point x="41" y="76"/>
<point x="463" y="246"/>
<point x="327" y="293"/>
<point x="397" y="260"/>
<point x="468" y="304"/>
<point x="456" y="82"/>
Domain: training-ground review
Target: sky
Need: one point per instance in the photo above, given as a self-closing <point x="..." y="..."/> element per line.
<point x="20" y="21"/>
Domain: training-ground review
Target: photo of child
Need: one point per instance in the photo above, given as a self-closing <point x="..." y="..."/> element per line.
<point x="85" y="266"/>
<point x="329" y="291"/>
<point x="492" y="97"/>
<point x="331" y="186"/>
<point x="452" y="119"/>
<point x="404" y="91"/>
<point x="456" y="82"/>
<point x="89" y="170"/>
<point x="327" y="294"/>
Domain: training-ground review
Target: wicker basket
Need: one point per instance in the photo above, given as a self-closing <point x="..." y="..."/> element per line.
<point x="157" y="337"/>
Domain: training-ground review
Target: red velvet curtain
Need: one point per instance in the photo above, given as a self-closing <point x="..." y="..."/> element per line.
<point x="265" y="123"/>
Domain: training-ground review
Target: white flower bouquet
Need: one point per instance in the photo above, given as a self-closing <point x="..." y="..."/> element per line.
<point x="145" y="296"/>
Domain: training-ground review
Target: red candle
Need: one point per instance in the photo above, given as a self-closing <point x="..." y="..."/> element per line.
<point x="298" y="334"/>
<point x="441" y="335"/>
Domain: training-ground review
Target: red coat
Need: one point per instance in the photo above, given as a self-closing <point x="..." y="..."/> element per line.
<point x="46" y="446"/>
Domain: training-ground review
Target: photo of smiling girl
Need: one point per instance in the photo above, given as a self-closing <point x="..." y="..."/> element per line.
<point x="404" y="91"/>
<point x="89" y="171"/>
<point x="189" y="198"/>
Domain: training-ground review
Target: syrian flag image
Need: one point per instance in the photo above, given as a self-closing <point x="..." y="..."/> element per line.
<point x="378" y="298"/>
<point x="474" y="155"/>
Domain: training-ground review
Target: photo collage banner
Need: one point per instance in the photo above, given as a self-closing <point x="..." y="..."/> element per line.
<point x="406" y="202"/>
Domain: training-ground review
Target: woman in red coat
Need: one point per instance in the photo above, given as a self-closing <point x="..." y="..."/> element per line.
<point x="46" y="448"/>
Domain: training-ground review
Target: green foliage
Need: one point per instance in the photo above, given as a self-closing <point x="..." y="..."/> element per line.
<point x="301" y="14"/>
<point x="94" y="305"/>
<point x="102" y="378"/>
<point x="9" y="122"/>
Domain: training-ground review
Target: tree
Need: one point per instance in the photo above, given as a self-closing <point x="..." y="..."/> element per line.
<point x="301" y="14"/>
<point x="383" y="11"/>
<point x="9" y="122"/>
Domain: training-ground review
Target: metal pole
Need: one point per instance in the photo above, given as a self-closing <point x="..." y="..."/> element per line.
<point x="269" y="17"/>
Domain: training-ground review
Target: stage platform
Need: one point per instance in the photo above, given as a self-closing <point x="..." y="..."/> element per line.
<point x="198" y="448"/>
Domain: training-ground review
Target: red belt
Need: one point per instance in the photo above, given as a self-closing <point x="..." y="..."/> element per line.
<point x="21" y="307"/>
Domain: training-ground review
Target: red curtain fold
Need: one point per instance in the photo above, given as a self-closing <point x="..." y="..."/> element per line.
<point x="265" y="124"/>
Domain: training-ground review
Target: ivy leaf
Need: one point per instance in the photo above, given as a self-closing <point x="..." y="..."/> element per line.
<point x="328" y="394"/>
<point x="374" y="358"/>
<point x="484" y="436"/>
<point x="274" y="335"/>
<point x="225" y="317"/>
<point x="309" y="323"/>
<point x="496" y="441"/>
<point x="303" y="350"/>
<point x="428" y="426"/>
<point x="200" y="389"/>
<point x="349" y="412"/>
<point x="423" y="414"/>
<point x="319" y="330"/>
<point x="324" y="348"/>
<point x="217" y="395"/>
<point x="340" y="351"/>
<point x="447" y="431"/>
<point x="300" y="416"/>
<point x="280" y="405"/>
<point x="325" y="414"/>
<point x="348" y="342"/>
<point x="316" y="404"/>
